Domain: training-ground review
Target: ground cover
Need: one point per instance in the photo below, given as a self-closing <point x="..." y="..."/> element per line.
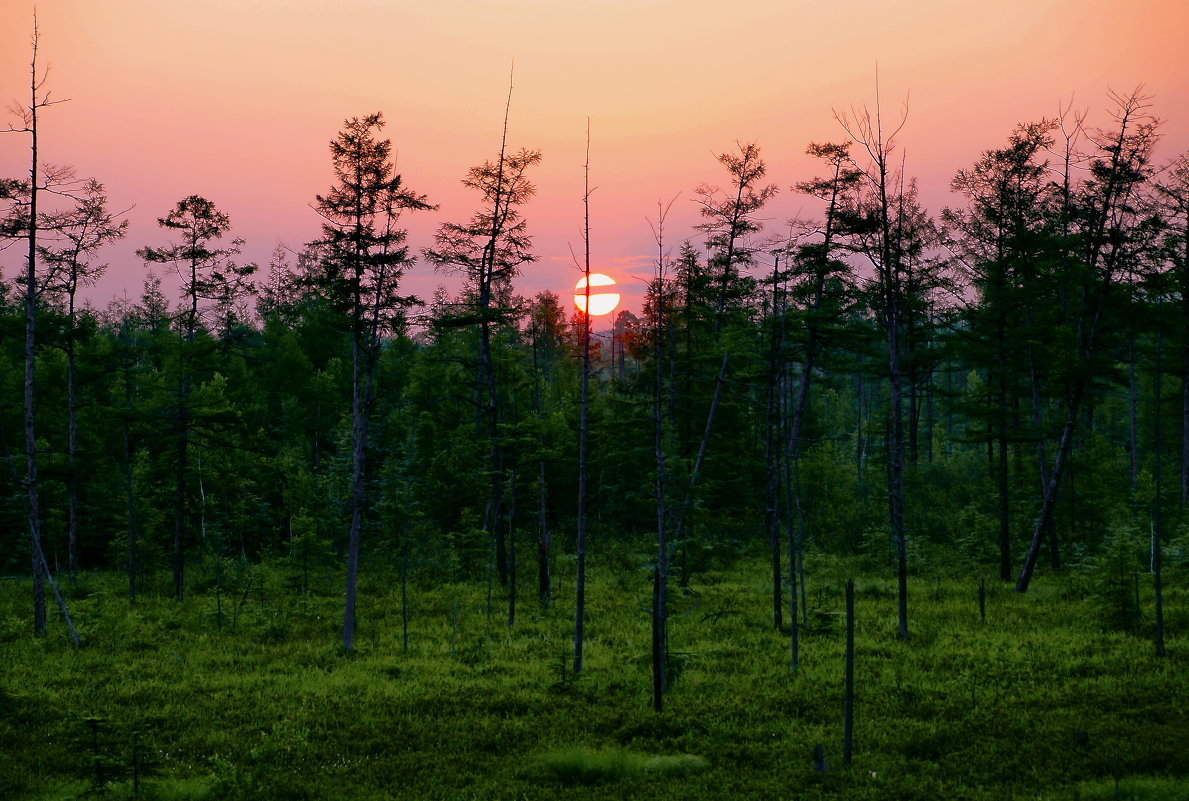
<point x="1041" y="700"/>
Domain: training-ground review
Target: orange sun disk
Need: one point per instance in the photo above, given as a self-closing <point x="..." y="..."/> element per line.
<point x="601" y="302"/>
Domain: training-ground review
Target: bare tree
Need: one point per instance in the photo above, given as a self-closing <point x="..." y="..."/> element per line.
<point x="879" y="245"/>
<point x="47" y="180"/>
<point x="584" y="316"/>
<point x="660" y="585"/>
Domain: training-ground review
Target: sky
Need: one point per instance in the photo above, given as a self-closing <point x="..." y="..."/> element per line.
<point x="237" y="100"/>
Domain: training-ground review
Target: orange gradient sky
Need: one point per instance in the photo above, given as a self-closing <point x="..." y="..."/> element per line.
<point x="236" y="100"/>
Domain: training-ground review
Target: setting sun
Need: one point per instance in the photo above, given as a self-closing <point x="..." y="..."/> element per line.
<point x="600" y="303"/>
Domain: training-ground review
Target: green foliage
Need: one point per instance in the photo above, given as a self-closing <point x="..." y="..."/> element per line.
<point x="585" y="766"/>
<point x="1114" y="579"/>
<point x="1035" y="701"/>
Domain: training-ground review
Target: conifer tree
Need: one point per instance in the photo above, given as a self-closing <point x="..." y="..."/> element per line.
<point x="363" y="258"/>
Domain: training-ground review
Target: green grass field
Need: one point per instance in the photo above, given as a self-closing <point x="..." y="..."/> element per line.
<point x="1040" y="701"/>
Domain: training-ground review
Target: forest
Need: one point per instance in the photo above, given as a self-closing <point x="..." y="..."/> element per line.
<point x="934" y="402"/>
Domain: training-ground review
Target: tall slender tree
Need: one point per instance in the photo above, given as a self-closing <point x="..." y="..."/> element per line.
<point x="29" y="218"/>
<point x="209" y="275"/>
<point x="489" y="249"/>
<point x="583" y="418"/>
<point x="363" y="258"/>
<point x="876" y="234"/>
<point x="79" y="233"/>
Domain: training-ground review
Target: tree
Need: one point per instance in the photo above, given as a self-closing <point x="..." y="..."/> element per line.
<point x="546" y="323"/>
<point x="1172" y="193"/>
<point x="818" y="270"/>
<point x="39" y="180"/>
<point x="80" y="232"/>
<point x="210" y="279"/>
<point x="364" y="258"/>
<point x="876" y="234"/>
<point x="1000" y="237"/>
<point x="1111" y="229"/>
<point x="660" y="590"/>
<point x="731" y="218"/>
<point x="583" y="420"/>
<point x="489" y="250"/>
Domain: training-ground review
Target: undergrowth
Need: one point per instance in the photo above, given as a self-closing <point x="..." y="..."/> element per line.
<point x="1045" y="699"/>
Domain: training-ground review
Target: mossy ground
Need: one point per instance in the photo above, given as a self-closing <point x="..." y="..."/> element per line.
<point x="1037" y="702"/>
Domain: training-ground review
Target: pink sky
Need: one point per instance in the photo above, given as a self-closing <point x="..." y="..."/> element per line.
<point x="236" y="100"/>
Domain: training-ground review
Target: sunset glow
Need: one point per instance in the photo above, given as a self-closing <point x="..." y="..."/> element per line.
<point x="237" y="101"/>
<point x="601" y="302"/>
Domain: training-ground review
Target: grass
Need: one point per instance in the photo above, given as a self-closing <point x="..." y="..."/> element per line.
<point x="1038" y="702"/>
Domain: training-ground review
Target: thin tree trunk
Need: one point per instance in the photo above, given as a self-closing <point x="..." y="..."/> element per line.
<point x="660" y="581"/>
<point x="130" y="498"/>
<point x="848" y="704"/>
<point x="358" y="438"/>
<point x="580" y="581"/>
<point x="512" y="550"/>
<point x="896" y="479"/>
<point x="1132" y="404"/>
<point x="1045" y="518"/>
<point x="1157" y="509"/>
<point x="695" y="472"/>
<point x="40" y="568"/>
<point x="771" y="463"/>
<point x="39" y="555"/>
<point x="544" y="579"/>
<point x="1002" y="471"/>
<point x="71" y="441"/>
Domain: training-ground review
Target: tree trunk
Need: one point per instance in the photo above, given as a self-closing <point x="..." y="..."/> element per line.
<point x="896" y="476"/>
<point x="771" y="463"/>
<point x="848" y="702"/>
<point x="544" y="579"/>
<point x="40" y="569"/>
<point x="71" y="442"/>
<point x="358" y="439"/>
<point x="512" y="550"/>
<point x="660" y="579"/>
<point x="1157" y="510"/>
<point x="580" y="580"/>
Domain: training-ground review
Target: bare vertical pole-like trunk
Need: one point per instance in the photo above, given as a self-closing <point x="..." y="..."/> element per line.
<point x="1157" y="509"/>
<point x="512" y="549"/>
<point x="71" y="437"/>
<point x="544" y="577"/>
<point x="358" y="435"/>
<point x="40" y="569"/>
<point x="580" y="581"/>
<point x="660" y="584"/>
<point x="848" y="698"/>
<point x="771" y="460"/>
<point x="130" y="498"/>
<point x="404" y="589"/>
<point x="1002" y="474"/>
<point x="1132" y="414"/>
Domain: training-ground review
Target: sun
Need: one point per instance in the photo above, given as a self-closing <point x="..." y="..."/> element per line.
<point x="601" y="302"/>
